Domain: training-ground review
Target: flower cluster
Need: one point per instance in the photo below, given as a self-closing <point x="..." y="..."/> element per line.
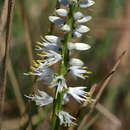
<point x="50" y="51"/>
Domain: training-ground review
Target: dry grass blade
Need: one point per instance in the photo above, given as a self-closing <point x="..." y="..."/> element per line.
<point x="15" y="85"/>
<point x="18" y="95"/>
<point x="103" y="86"/>
<point x="11" y="4"/>
<point x="27" y="39"/>
<point x="3" y="20"/>
<point x="3" y="17"/>
<point x="92" y="121"/>
<point x="95" y="87"/>
<point x="26" y="30"/>
<point x="108" y="114"/>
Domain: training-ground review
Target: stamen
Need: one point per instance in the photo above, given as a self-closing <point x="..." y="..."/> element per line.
<point x="89" y="94"/>
<point x="85" y="67"/>
<point x="86" y="76"/>
<point x="39" y="61"/>
<point x="38" y="43"/>
<point x="32" y="68"/>
<point x="44" y="52"/>
<point x="35" y="64"/>
<point x="42" y="37"/>
<point x="88" y="100"/>
<point x="89" y="72"/>
<point x="30" y="73"/>
<point x="37" y="46"/>
<point x="39" y="55"/>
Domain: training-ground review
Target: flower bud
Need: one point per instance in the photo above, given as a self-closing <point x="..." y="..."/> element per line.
<point x="76" y="62"/>
<point x="82" y="29"/>
<point x="53" y="39"/>
<point x="62" y="12"/>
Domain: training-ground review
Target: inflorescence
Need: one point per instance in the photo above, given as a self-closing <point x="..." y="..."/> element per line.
<point x="52" y="50"/>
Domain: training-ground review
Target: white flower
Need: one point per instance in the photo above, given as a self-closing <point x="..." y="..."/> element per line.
<point x="53" y="39"/>
<point x="46" y="74"/>
<point x="35" y="69"/>
<point x="57" y="20"/>
<point x="42" y="71"/>
<point x="76" y="34"/>
<point x="84" y="19"/>
<point x="78" y="71"/>
<point x="78" y="15"/>
<point x="78" y="46"/>
<point x="86" y="3"/>
<point x="64" y="2"/>
<point x="75" y="1"/>
<point x="65" y="28"/>
<point x="41" y="100"/>
<point x="62" y="12"/>
<point x="76" y="62"/>
<point x="66" y="118"/>
<point x="78" y="93"/>
<point x="82" y="29"/>
<point x="80" y="18"/>
<point x="52" y="57"/>
<point x="58" y="82"/>
<point x="38" y="48"/>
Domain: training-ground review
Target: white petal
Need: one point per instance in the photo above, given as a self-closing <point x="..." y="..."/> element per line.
<point x="77" y="34"/>
<point x="82" y="29"/>
<point x="84" y="19"/>
<point x="78" y="93"/>
<point x="86" y="3"/>
<point x="82" y="46"/>
<point x="65" y="28"/>
<point x="78" y="15"/>
<point x="53" y="39"/>
<point x="47" y="75"/>
<point x="62" y="12"/>
<point x="65" y="99"/>
<point x="76" y="62"/>
<point x="42" y="93"/>
<point x="57" y="20"/>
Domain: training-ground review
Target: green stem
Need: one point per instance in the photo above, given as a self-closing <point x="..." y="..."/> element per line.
<point x="63" y="69"/>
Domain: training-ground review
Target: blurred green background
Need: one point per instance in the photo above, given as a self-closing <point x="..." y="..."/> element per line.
<point x="109" y="37"/>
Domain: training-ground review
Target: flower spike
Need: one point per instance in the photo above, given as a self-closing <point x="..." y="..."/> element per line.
<point x="53" y="49"/>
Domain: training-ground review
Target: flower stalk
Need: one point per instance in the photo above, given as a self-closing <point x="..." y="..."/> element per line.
<point x="68" y="36"/>
<point x="63" y="70"/>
